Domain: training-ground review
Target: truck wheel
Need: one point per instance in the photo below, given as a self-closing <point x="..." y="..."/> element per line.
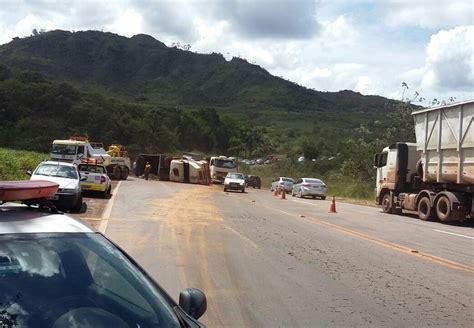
<point x="425" y="211"/>
<point x="443" y="208"/>
<point x="117" y="173"/>
<point x="387" y="204"/>
<point x="125" y="172"/>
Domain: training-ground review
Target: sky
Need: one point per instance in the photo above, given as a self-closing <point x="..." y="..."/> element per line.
<point x="370" y="47"/>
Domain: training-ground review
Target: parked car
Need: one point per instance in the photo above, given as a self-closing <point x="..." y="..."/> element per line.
<point x="259" y="161"/>
<point x="96" y="178"/>
<point x="253" y="181"/>
<point x="68" y="197"/>
<point x="282" y="182"/>
<point x="234" y="181"/>
<point x="309" y="187"/>
<point x="57" y="272"/>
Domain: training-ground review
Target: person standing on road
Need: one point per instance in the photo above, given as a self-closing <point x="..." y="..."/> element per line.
<point x="147" y="170"/>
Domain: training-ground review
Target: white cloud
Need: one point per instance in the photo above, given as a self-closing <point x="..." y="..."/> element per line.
<point x="450" y="60"/>
<point x="430" y="14"/>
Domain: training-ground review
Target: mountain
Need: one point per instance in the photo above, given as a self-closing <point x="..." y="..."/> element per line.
<point x="142" y="68"/>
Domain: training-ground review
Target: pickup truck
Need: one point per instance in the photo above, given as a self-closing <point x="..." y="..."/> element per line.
<point x="96" y="180"/>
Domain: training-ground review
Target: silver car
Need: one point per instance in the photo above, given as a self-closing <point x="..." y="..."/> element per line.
<point x="309" y="187"/>
<point x="282" y="182"/>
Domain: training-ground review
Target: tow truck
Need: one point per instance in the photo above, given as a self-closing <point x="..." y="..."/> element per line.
<point x="77" y="148"/>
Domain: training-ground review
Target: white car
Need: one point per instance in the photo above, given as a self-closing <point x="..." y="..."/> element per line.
<point x="282" y="182"/>
<point x="234" y="181"/>
<point x="57" y="272"/>
<point x="68" y="197"/>
<point x="309" y="187"/>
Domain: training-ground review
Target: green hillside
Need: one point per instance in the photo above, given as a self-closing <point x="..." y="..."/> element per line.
<point x="142" y="68"/>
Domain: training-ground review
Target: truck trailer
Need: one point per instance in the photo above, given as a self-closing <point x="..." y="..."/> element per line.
<point x="434" y="176"/>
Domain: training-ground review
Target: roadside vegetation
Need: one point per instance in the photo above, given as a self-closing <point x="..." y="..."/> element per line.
<point x="15" y="163"/>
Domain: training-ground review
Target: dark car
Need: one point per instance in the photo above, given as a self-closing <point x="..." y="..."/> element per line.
<point x="57" y="272"/>
<point x="253" y="181"/>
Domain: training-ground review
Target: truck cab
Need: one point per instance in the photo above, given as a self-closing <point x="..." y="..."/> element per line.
<point x="219" y="167"/>
<point x="396" y="169"/>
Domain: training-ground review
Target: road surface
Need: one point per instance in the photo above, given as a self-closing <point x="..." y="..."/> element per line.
<point x="267" y="262"/>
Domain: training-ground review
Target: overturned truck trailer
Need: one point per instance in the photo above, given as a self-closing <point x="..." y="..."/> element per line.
<point x="160" y="165"/>
<point x="190" y="171"/>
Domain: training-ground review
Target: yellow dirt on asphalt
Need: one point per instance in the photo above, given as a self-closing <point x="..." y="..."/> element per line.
<point x="187" y="220"/>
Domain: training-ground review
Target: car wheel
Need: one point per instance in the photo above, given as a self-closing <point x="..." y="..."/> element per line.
<point x="243" y="190"/>
<point x="106" y="193"/>
<point x="225" y="189"/>
<point x="77" y="206"/>
<point x="323" y="197"/>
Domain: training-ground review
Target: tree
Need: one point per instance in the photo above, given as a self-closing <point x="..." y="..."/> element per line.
<point x="405" y="88"/>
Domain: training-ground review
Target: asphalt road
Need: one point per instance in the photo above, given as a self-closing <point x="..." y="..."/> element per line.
<point x="263" y="261"/>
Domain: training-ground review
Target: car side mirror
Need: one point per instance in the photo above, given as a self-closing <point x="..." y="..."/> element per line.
<point x="29" y="173"/>
<point x="193" y="302"/>
<point x="83" y="178"/>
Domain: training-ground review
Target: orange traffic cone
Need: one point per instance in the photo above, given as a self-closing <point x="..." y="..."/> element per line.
<point x="332" y="208"/>
<point x="283" y="194"/>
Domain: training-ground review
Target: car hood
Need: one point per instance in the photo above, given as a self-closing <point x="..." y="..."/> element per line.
<point x="229" y="180"/>
<point x="64" y="183"/>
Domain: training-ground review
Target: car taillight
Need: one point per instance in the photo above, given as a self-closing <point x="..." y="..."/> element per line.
<point x="102" y="179"/>
<point x="307" y="185"/>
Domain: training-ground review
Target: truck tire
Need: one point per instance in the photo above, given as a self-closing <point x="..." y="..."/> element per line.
<point x="117" y="173"/>
<point x="444" y="209"/>
<point x="425" y="211"/>
<point x="125" y="173"/>
<point x="387" y="206"/>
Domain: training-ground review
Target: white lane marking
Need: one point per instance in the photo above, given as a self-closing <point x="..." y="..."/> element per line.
<point x="108" y="209"/>
<point x="248" y="240"/>
<point x="454" y="234"/>
<point x="304" y="202"/>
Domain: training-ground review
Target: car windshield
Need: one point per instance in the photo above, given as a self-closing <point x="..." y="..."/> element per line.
<point x="91" y="168"/>
<point x="312" y="181"/>
<point x="287" y="180"/>
<point x="235" y="176"/>
<point x="51" y="280"/>
<point x="61" y="149"/>
<point x="57" y="170"/>
<point x="225" y="163"/>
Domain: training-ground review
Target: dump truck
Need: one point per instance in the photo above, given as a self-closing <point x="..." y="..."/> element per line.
<point x="78" y="148"/>
<point x="433" y="177"/>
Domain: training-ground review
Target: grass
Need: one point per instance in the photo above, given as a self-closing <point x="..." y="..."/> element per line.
<point x="15" y="163"/>
<point x="344" y="188"/>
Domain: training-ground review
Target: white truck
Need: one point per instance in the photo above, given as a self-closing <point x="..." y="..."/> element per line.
<point x="219" y="166"/>
<point x="435" y="175"/>
<point x="77" y="149"/>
